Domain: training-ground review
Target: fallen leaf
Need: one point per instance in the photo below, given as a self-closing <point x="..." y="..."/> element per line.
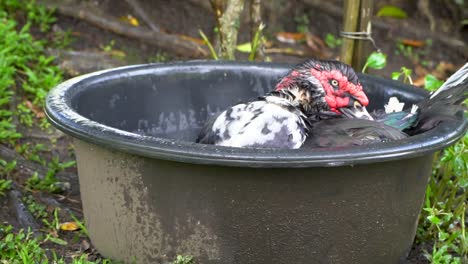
<point x="69" y="226"/>
<point x="413" y="43"/>
<point x="419" y="81"/>
<point x="290" y="37"/>
<point x="287" y="51"/>
<point x="443" y="70"/>
<point x="117" y="53"/>
<point x="129" y="19"/>
<point x="84" y="245"/>
<point x="192" y="39"/>
<point x="392" y="11"/>
<point x="420" y="71"/>
<point x="53" y="233"/>
<point x="245" y="47"/>
<point x="315" y="43"/>
<point x="36" y="110"/>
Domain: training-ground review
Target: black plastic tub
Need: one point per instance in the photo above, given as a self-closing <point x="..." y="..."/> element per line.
<point x="150" y="193"/>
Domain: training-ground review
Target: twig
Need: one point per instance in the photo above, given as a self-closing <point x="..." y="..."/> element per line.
<point x="141" y="13"/>
<point x="80" y="62"/>
<point x="52" y="202"/>
<point x="169" y="42"/>
<point x="24" y="217"/>
<point x="228" y="30"/>
<point x="425" y="9"/>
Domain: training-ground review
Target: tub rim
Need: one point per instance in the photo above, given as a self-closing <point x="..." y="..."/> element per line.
<point x="60" y="113"/>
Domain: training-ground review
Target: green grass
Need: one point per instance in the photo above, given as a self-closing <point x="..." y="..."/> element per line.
<point x="442" y="221"/>
<point x="26" y="75"/>
<point x="184" y="260"/>
<point x="23" y="248"/>
<point x="5" y="170"/>
<point x="25" y="71"/>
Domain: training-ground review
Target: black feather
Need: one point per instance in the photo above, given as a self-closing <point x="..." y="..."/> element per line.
<point x="443" y="106"/>
<point x="343" y="132"/>
<point x="327" y="65"/>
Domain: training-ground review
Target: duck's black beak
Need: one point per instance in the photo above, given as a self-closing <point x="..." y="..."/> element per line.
<point x="356" y="111"/>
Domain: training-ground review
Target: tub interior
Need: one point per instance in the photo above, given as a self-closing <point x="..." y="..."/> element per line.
<point x="175" y="102"/>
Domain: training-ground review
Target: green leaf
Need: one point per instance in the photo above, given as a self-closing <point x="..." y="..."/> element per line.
<point x="406" y="71"/>
<point x="443" y="235"/>
<point x="256" y="42"/>
<point x="463" y="183"/>
<point x="392" y="11"/>
<point x="331" y="41"/>
<point x="376" y="60"/>
<point x="431" y="83"/>
<point x="57" y="240"/>
<point x="68" y="164"/>
<point x="396" y="75"/>
<point x="434" y="219"/>
<point x="245" y="47"/>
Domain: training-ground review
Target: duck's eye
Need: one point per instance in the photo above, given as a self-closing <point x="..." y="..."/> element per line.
<point x="334" y="82"/>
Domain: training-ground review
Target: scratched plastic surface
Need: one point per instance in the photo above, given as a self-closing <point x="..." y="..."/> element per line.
<point x="175" y="105"/>
<point x="170" y="105"/>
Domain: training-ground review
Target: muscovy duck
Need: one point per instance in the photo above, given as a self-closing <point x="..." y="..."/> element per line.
<point x="441" y="106"/>
<point x="336" y="85"/>
<point x="279" y="119"/>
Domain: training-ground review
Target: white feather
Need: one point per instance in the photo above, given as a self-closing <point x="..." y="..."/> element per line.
<point x="245" y="130"/>
<point x="394" y="105"/>
<point x="457" y="78"/>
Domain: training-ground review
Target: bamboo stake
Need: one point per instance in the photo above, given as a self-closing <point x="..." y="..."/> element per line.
<point x="362" y="47"/>
<point x="350" y="23"/>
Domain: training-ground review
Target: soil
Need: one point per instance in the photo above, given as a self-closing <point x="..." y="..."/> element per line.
<point x="186" y="17"/>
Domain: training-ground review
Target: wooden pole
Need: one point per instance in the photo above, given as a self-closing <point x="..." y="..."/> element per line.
<point x="350" y="24"/>
<point x="362" y="47"/>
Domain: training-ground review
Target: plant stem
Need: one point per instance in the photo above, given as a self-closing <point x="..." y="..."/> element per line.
<point x="208" y="43"/>
<point x="256" y="30"/>
<point x="364" y="68"/>
<point x="256" y="43"/>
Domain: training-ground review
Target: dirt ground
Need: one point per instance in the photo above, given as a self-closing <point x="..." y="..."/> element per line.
<point x="186" y="17"/>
